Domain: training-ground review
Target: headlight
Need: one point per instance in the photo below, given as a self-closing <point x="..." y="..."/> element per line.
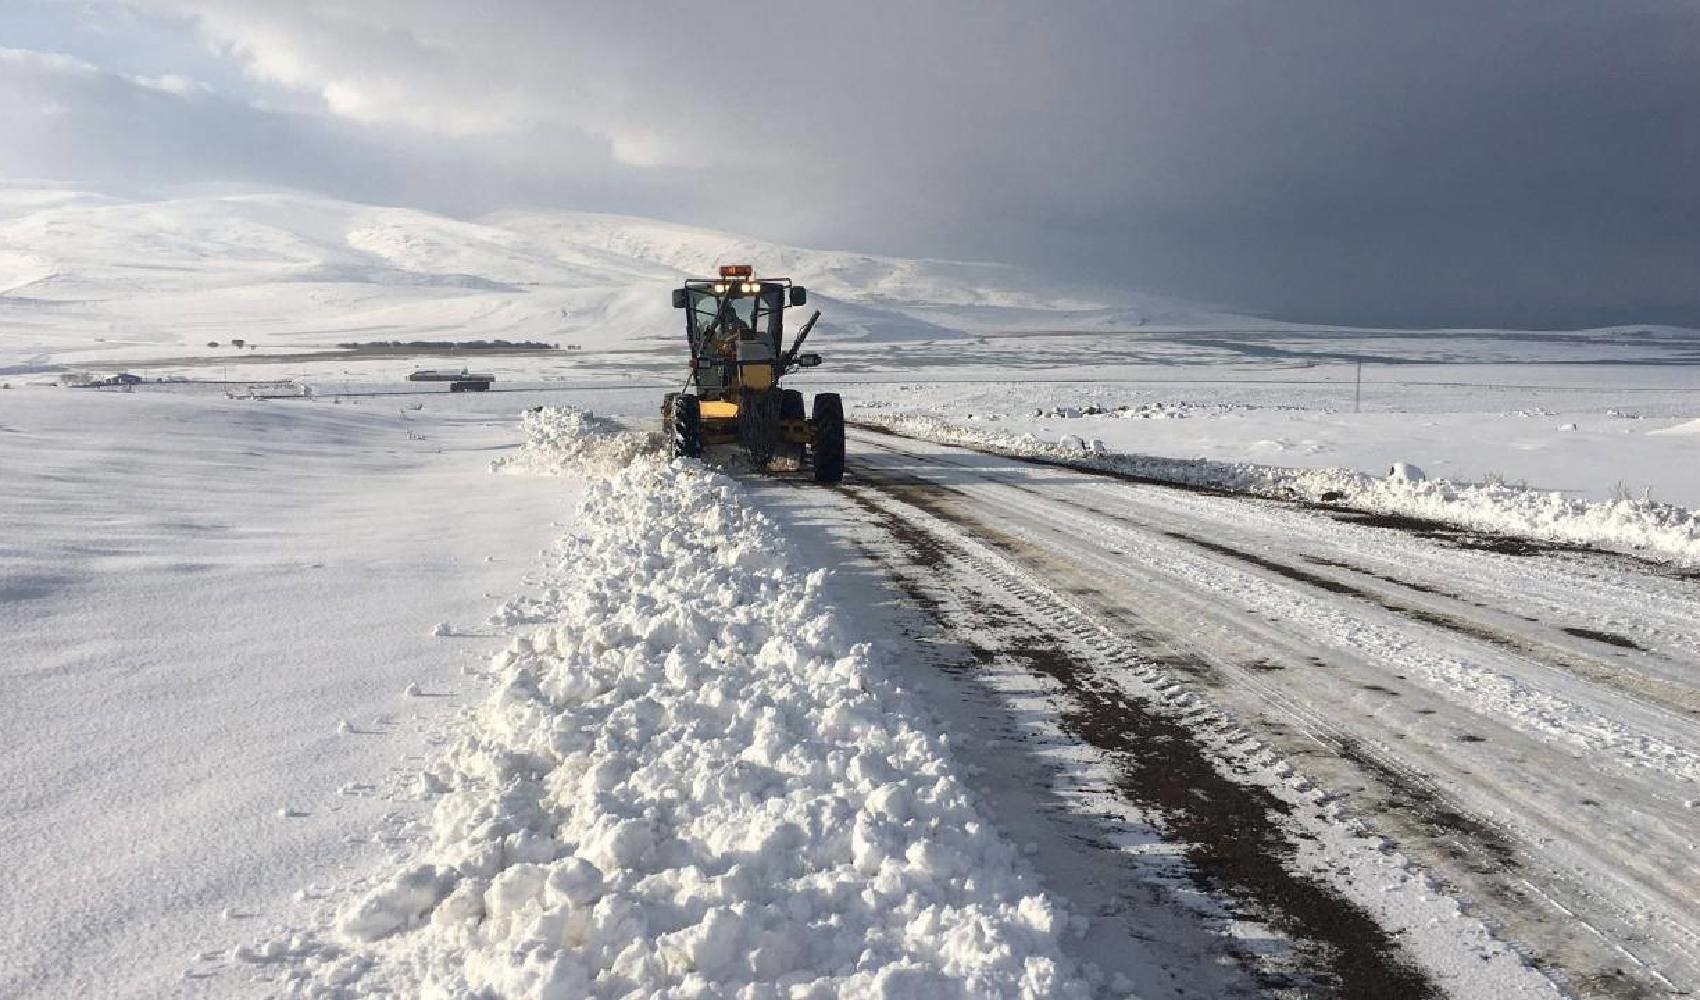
<point x="720" y="289"/>
<point x="751" y="288"/>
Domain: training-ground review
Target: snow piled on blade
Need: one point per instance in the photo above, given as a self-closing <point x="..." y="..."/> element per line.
<point x="1644" y="526"/>
<point x="697" y="784"/>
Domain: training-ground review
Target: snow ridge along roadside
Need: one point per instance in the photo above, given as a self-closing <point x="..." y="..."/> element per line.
<point x="1646" y="527"/>
<point x="565" y="440"/>
<point x="697" y="783"/>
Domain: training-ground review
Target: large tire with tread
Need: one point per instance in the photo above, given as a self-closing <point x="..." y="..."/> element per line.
<point x="681" y="421"/>
<point x="828" y="421"/>
<point x="758" y="425"/>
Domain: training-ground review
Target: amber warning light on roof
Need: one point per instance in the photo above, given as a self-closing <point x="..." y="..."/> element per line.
<point x="737" y="271"/>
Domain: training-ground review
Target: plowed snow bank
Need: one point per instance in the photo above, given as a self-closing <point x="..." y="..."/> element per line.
<point x="697" y="784"/>
<point x="1656" y="529"/>
<point x="560" y="439"/>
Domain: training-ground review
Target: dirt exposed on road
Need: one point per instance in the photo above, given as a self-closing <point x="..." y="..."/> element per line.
<point x="1233" y="832"/>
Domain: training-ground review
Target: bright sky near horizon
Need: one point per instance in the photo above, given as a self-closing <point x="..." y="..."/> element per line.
<point x="1526" y="163"/>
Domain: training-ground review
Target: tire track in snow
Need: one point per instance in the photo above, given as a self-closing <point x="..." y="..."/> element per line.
<point x="1530" y="707"/>
<point x="1244" y="837"/>
<point x="1593" y="901"/>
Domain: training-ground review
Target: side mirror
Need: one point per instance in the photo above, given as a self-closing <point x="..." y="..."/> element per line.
<point x="810" y="360"/>
<point x="679" y="298"/>
<point x="799" y="295"/>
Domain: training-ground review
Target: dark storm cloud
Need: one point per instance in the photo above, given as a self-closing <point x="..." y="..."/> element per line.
<point x="1527" y="162"/>
<point x="1424" y="163"/>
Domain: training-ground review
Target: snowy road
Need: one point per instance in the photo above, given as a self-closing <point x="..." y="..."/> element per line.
<point x="1523" y="724"/>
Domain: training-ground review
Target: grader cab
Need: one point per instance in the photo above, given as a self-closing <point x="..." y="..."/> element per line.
<point x="736" y="328"/>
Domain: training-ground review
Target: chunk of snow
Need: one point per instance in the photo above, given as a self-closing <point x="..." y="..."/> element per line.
<point x="404" y="901"/>
<point x="1405" y="472"/>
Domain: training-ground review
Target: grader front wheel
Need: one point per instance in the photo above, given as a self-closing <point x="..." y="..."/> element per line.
<point x="681" y="421"/>
<point x="828" y="421"/>
<point x="758" y="425"/>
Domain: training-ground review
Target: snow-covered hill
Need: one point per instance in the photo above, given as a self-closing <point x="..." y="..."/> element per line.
<point x="85" y="274"/>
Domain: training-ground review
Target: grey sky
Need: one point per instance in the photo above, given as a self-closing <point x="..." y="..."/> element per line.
<point x="1524" y="162"/>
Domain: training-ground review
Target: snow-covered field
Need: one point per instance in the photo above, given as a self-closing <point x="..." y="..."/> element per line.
<point x="214" y="613"/>
<point x="1589" y="430"/>
<point x="290" y="701"/>
<point x="88" y="277"/>
<point x="91" y="283"/>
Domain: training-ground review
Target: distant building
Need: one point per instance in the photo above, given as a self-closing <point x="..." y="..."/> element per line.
<point x="83" y="380"/>
<point x="442" y="375"/>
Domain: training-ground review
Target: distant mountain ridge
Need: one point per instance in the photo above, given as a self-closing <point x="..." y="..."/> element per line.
<point x="83" y="272"/>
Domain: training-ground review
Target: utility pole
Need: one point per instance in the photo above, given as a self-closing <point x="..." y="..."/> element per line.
<point x="1358" y="389"/>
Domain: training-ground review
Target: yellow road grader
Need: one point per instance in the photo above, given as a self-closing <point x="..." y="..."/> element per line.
<point x="736" y="327"/>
